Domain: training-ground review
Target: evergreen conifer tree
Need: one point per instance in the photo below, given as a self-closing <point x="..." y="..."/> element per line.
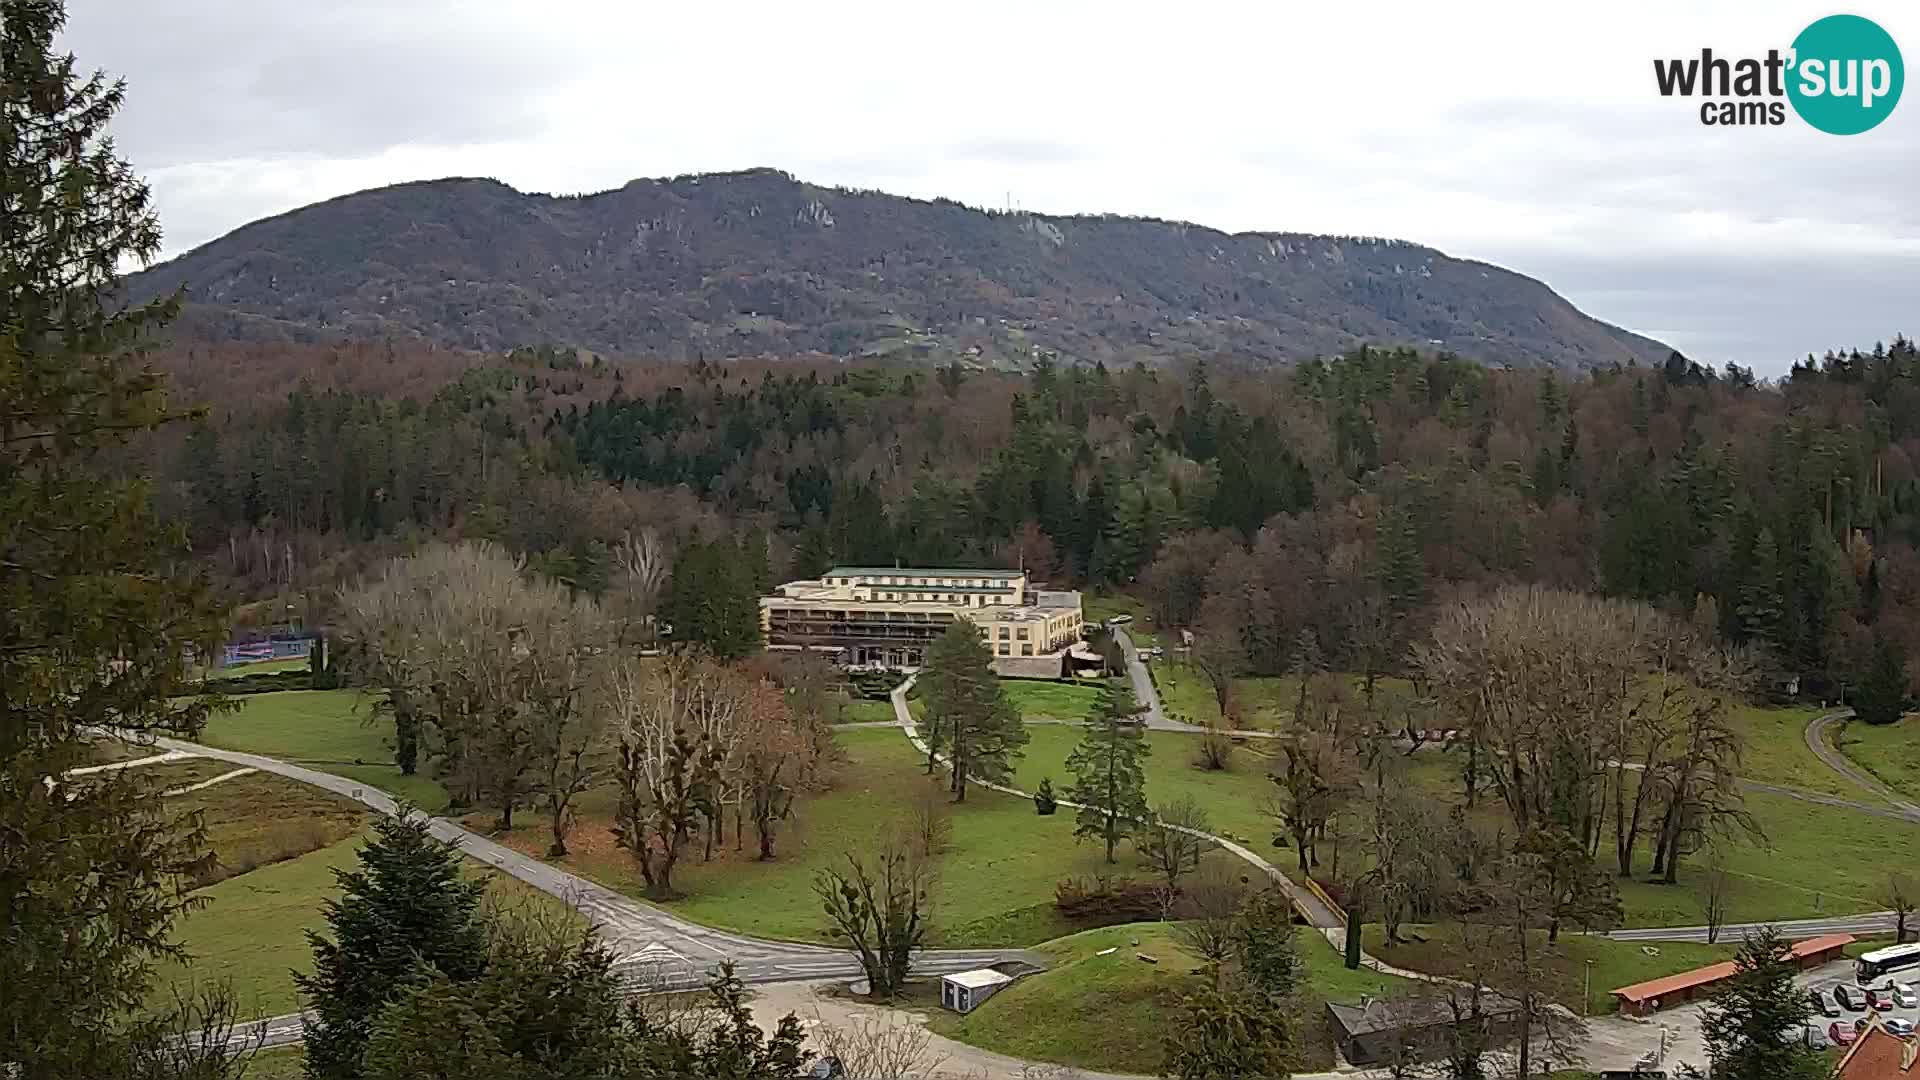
<point x="404" y="912"/>
<point x="1110" y="784"/>
<point x="1882" y="697"/>
<point x="968" y="713"/>
<point x="1753" y="1026"/>
<point x="97" y="613"/>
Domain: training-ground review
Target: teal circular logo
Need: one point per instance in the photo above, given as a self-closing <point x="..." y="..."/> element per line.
<point x="1846" y="76"/>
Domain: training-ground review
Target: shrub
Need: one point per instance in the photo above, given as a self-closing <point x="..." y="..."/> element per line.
<point x="1214" y="750"/>
<point x="1044" y="802"/>
<point x="1105" y="901"/>
<point x="265" y="682"/>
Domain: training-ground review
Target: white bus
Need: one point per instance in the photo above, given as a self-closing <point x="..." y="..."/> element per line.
<point x="1879" y="962"/>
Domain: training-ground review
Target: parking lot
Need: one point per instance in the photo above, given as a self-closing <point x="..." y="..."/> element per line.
<point x="1826" y="978"/>
<point x="1618" y="1042"/>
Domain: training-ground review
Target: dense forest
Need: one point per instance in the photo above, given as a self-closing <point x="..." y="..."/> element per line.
<point x="1325" y="510"/>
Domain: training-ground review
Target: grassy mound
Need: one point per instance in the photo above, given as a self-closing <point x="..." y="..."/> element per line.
<point x="1111" y="1013"/>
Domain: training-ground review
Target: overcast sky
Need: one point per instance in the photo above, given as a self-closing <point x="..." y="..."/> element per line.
<point x="1527" y="134"/>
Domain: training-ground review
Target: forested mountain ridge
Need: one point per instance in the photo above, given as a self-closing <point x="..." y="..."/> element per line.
<point x="756" y="263"/>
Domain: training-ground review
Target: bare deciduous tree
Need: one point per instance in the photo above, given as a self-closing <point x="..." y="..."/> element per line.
<point x="1219" y="656"/>
<point x="559" y="637"/>
<point x="643" y="562"/>
<point x="1209" y="912"/>
<point x="931" y="820"/>
<point x="1173" y="846"/>
<point x="658" y="712"/>
<point x="879" y="906"/>
<point x="1540" y="680"/>
<point x="1901" y="897"/>
<point x="777" y="760"/>
<point x="1719" y="883"/>
<point x="1309" y="783"/>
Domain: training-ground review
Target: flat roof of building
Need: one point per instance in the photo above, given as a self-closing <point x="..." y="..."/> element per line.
<point x="919" y="571"/>
<point x="1412" y="1011"/>
<point x="978" y="978"/>
<point x="1713" y="973"/>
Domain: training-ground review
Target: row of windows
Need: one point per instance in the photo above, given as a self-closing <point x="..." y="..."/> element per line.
<point x="911" y="579"/>
<point x="951" y="598"/>
<point x="1005" y="649"/>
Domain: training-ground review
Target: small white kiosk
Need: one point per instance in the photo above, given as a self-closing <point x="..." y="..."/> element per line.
<point x="964" y="991"/>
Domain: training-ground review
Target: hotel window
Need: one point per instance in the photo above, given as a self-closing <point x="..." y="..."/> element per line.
<point x="1026" y="648"/>
<point x="1022" y="634"/>
<point x="1002" y="649"/>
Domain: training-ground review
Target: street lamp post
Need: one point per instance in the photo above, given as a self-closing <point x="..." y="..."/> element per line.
<point x="1586" y="1000"/>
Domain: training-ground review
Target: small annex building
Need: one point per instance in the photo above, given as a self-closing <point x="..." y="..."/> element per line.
<point x="1647" y="998"/>
<point x="963" y="991"/>
<point x="1416" y="1028"/>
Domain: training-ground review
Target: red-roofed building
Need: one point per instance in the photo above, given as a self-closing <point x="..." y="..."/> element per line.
<point x="1877" y="1055"/>
<point x="1642" y="999"/>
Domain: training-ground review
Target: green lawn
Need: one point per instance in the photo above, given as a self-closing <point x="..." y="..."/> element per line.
<point x="1776" y="751"/>
<point x="259" y="819"/>
<point x="327" y="729"/>
<point x="1888" y="751"/>
<point x="278" y="1063"/>
<point x="1264" y="703"/>
<point x="864" y="711"/>
<point x="1817" y="860"/>
<point x="996" y="875"/>
<point x="1232" y="799"/>
<point x="250" y="930"/>
<point x="1052" y="700"/>
<point x="1615" y="963"/>
<point x="1111" y="1013"/>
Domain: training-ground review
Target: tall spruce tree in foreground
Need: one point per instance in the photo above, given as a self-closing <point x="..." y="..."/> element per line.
<point x="96" y="614"/>
<point x="1753" y="1026"/>
<point x="405" y="913"/>
<point x="1109" y="782"/>
<point x="968" y="715"/>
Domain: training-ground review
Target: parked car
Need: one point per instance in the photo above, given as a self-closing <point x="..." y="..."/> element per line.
<point x="1822" y="1004"/>
<point x="1849" y="998"/>
<point x="1904" y="996"/>
<point x="1840" y="1034"/>
<point x="1897" y="1026"/>
<point x="1880" y="998"/>
<point x="1815" y="1039"/>
<point x="1120" y="620"/>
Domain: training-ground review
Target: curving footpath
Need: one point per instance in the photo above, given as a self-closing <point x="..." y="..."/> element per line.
<point x="653" y="950"/>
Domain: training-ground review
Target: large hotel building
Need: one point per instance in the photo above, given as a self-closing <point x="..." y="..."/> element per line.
<point x="885" y="617"/>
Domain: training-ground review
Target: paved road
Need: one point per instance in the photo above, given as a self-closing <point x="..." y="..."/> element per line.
<point x="1877" y="922"/>
<point x="654" y="949"/>
<point x="1817" y="742"/>
<point x="1143" y="688"/>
